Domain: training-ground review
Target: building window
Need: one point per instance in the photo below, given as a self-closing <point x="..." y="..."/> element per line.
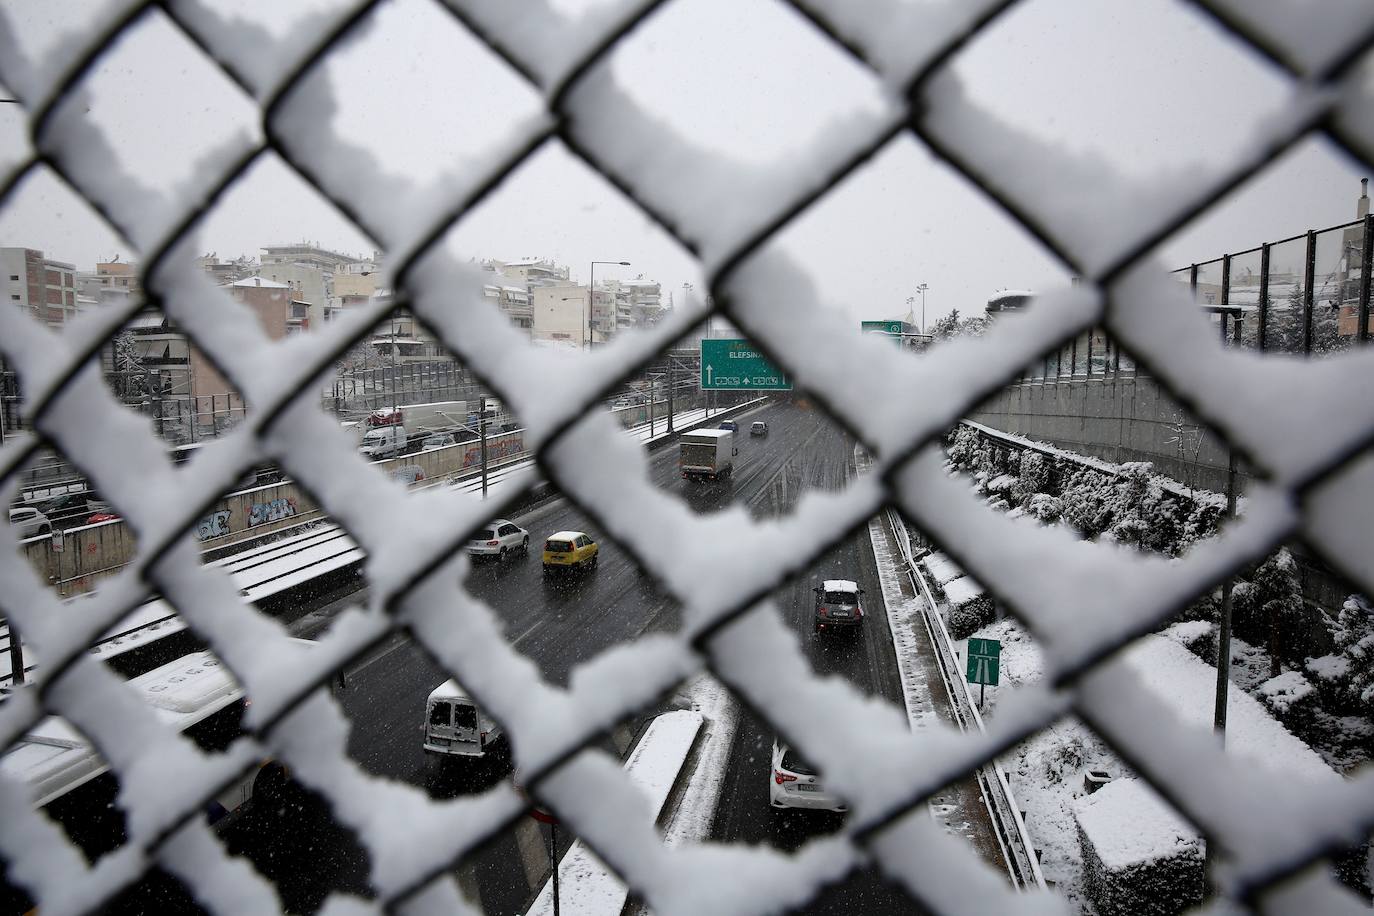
<point x="14" y="296"/>
<point x="14" y="277"/>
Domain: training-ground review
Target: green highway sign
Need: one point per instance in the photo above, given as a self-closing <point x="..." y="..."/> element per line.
<point x="889" y="328"/>
<point x="734" y="365"/>
<point x="983" y="655"/>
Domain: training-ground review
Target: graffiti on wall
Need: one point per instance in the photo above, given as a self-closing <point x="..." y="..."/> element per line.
<point x="497" y="449"/>
<point x="274" y="510"/>
<point x="214" y="525"/>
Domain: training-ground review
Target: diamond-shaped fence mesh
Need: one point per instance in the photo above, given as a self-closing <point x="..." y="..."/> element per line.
<point x="1262" y="828"/>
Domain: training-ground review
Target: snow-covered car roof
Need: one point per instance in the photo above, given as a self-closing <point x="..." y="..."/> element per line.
<point x="760" y="423"/>
<point x="840" y="585"/>
<point x="565" y="535"/>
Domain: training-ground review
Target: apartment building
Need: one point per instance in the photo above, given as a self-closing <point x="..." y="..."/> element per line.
<point x="41" y="286"/>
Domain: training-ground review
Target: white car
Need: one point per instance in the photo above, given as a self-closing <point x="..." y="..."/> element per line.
<point x="29" y="522"/>
<point x="437" y="440"/>
<point x="793" y="783"/>
<point x="499" y="539"/>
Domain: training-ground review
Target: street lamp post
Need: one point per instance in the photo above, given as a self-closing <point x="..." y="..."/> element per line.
<point x="591" y="294"/>
<point x="922" y="290"/>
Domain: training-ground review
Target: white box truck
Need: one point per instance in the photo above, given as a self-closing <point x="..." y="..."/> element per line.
<point x="395" y="431"/>
<point x="707" y="454"/>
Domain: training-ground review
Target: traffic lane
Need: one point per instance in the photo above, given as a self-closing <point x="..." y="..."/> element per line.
<point x="562" y="620"/>
<point x="556" y="624"/>
<point x="867" y="660"/>
<point x="865" y="657"/>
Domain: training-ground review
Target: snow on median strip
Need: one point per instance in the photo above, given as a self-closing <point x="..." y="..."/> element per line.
<point x="586" y="885"/>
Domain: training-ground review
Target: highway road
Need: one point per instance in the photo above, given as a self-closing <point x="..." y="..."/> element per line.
<point x="559" y="625"/>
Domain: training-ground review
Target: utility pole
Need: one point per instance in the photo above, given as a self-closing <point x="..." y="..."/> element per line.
<point x="671" y="382"/>
<point x="922" y="290"/>
<point x="482" y="434"/>
<point x="1224" y="627"/>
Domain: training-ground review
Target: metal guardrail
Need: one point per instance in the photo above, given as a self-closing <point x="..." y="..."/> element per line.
<point x="1012" y="834"/>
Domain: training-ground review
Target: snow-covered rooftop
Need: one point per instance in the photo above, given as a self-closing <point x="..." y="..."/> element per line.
<point x="259" y="282"/>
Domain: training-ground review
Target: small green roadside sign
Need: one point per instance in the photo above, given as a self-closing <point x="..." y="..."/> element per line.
<point x="892" y="329"/>
<point x="734" y="365"/>
<point x="983" y="665"/>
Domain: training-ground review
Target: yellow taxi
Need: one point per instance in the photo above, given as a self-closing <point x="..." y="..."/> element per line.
<point x="569" y="550"/>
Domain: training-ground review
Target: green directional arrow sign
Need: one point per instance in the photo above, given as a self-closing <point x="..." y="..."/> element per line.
<point x="983" y="666"/>
<point x="734" y="365"/>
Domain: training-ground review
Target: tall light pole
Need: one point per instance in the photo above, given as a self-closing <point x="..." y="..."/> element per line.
<point x="922" y="290"/>
<point x="591" y="294"/>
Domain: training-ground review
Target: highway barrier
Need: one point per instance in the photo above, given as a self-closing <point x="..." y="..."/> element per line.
<point x="1012" y="834"/>
<point x="586" y="887"/>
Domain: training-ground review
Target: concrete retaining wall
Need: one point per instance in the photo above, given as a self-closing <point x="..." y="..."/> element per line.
<point x="78" y="558"/>
<point x="1116" y="419"/>
<point x="75" y="559"/>
<point x="1132" y="419"/>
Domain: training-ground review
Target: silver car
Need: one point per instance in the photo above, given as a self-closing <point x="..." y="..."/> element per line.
<point x="500" y="539"/>
<point x="29" y="522"/>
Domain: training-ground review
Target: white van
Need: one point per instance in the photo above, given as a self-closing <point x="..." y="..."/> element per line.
<point x="454" y="725"/>
<point x="383" y="442"/>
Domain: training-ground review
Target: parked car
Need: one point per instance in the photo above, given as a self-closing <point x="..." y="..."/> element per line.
<point x="29" y="522"/>
<point x="837" y="604"/>
<point x="758" y="428"/>
<point x="569" y="550"/>
<point x="68" y="509"/>
<point x="793" y="783"/>
<point x="438" y="440"/>
<point x="103" y="515"/>
<point x="499" y="539"/>
<point x="730" y="425"/>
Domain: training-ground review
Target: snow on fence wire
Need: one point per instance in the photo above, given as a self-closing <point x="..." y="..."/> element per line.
<point x="1318" y="485"/>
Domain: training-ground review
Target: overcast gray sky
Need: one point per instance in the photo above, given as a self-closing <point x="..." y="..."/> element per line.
<point x="1148" y="84"/>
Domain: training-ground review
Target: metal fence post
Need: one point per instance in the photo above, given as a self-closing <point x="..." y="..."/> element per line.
<point x="1263" y="335"/>
<point x="1226" y="295"/>
<point x="1309" y="278"/>
<point x="482" y="433"/>
<point x="1366" y="255"/>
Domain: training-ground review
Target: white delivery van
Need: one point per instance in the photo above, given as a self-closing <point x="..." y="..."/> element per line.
<point x="454" y="725"/>
<point x="383" y="442"/>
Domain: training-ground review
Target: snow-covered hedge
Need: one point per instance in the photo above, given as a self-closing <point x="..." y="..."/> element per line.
<point x="942" y="569"/>
<point x="1138" y="855"/>
<point x="1292" y="699"/>
<point x="1197" y="636"/>
<point x="1132" y="506"/>
<point x="969" y="608"/>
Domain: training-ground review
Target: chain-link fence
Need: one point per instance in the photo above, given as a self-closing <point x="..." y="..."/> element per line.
<point x="1080" y="601"/>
